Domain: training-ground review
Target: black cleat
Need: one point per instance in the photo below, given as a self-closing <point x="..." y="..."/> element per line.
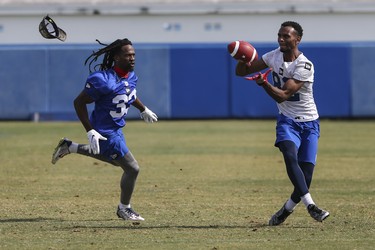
<point x="317" y="213"/>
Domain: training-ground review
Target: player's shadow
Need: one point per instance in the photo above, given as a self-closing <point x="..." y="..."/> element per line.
<point x="21" y="220"/>
<point x="187" y="227"/>
<point x="134" y="225"/>
<point x="140" y="226"/>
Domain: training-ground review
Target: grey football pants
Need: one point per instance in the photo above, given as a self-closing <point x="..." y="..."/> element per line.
<point x="128" y="163"/>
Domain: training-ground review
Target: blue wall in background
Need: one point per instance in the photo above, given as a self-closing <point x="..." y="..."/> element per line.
<point x="182" y="81"/>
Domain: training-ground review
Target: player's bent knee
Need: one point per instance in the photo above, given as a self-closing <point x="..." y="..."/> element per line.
<point x="129" y="164"/>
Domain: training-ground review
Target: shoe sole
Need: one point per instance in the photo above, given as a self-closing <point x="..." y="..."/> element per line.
<point x="322" y="218"/>
<point x="129" y="218"/>
<point x="325" y="217"/>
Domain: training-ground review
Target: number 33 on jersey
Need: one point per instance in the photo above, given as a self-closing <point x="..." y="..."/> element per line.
<point x="114" y="94"/>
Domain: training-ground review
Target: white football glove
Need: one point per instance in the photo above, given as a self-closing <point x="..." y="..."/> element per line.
<point x="94" y="138"/>
<point x="149" y="116"/>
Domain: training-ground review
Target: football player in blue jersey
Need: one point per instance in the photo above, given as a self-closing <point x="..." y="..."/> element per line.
<point x="297" y="129"/>
<point x="113" y="89"/>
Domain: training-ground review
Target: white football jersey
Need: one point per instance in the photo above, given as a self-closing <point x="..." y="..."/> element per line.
<point x="301" y="106"/>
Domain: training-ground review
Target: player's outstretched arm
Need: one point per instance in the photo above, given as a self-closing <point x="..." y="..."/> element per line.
<point x="282" y="94"/>
<point x="244" y="68"/>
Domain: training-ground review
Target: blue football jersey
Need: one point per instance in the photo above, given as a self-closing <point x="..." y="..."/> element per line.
<point x="113" y="96"/>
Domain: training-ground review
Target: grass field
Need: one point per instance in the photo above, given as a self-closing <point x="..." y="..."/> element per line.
<point x="203" y="185"/>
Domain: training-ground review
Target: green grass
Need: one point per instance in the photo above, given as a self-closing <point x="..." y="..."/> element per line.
<point x="202" y="185"/>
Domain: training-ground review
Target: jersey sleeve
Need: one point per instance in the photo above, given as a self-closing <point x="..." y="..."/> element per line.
<point x="96" y="85"/>
<point x="304" y="72"/>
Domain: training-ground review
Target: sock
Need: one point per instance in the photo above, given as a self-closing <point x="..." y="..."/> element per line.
<point x="307" y="200"/>
<point x="122" y="206"/>
<point x="290" y="205"/>
<point x="73" y="148"/>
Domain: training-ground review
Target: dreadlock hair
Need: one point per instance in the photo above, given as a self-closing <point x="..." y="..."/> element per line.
<point x="109" y="52"/>
<point x="296" y="26"/>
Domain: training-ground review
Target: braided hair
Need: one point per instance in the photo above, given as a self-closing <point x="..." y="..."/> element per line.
<point x="109" y="52"/>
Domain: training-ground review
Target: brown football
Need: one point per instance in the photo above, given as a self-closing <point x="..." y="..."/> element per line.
<point x="242" y="50"/>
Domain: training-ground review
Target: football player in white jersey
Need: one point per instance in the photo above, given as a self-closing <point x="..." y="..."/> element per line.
<point x="297" y="130"/>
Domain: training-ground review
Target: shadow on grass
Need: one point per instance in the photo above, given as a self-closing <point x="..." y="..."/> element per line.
<point x="128" y="225"/>
<point x="138" y="225"/>
<point x="142" y="225"/>
<point x="22" y="220"/>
